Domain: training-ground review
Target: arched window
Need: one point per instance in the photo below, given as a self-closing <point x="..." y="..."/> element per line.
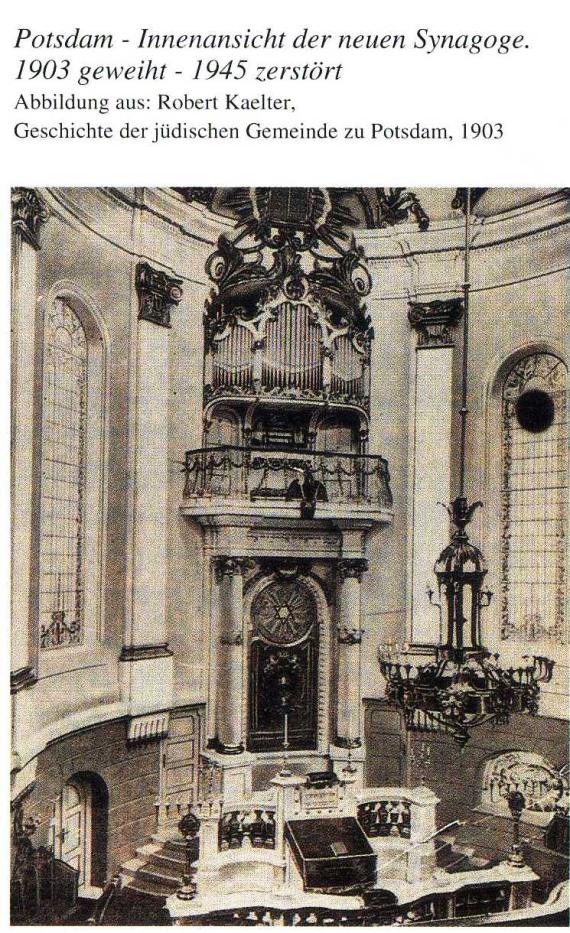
<point x="534" y="496"/>
<point x="70" y="477"/>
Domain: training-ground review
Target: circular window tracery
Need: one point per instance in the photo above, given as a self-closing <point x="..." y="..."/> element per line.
<point x="284" y="612"/>
<point x="535" y="410"/>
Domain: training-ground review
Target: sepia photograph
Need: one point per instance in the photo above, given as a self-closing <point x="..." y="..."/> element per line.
<point x="289" y="492"/>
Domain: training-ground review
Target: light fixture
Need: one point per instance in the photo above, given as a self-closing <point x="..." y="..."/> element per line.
<point x="465" y="685"/>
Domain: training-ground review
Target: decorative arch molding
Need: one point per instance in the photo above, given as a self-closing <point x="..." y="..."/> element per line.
<point x="80" y="827"/>
<point x="321" y="415"/>
<point x="255" y="587"/>
<point x="84" y="306"/>
<point x="224" y="411"/>
<point x="96" y="443"/>
<point x="544" y="788"/>
<point x="502" y="363"/>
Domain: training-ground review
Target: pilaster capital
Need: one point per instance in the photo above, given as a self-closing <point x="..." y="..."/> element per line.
<point x="349" y="636"/>
<point x="29" y="213"/>
<point x="157" y="292"/>
<point x="434" y="321"/>
<point x="352" y="567"/>
<point x="230" y="567"/>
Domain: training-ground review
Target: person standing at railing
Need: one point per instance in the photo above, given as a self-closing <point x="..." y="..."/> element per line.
<point x="309" y="490"/>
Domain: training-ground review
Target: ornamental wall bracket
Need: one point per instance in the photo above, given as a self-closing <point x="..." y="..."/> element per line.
<point x="352" y="567"/>
<point x="157" y="292"/>
<point x="435" y="321"/>
<point x="29" y="213"/>
<point x="149" y="728"/>
<point x="349" y="636"/>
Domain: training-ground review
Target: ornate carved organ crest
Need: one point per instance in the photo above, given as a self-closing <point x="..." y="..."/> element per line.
<point x="286" y="316"/>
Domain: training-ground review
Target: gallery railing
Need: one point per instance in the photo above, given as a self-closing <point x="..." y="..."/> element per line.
<point x="257" y="473"/>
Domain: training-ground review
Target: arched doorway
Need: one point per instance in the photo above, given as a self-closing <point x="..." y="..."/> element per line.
<point x="284" y="646"/>
<point x="81" y="839"/>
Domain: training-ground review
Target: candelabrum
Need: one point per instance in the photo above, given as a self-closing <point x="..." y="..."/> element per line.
<point x="189" y="827"/>
<point x="516" y="803"/>
<point x="285" y="770"/>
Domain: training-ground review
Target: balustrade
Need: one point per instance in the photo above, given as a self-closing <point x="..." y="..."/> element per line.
<point x="255" y="827"/>
<point x="259" y="474"/>
<point x="385" y="818"/>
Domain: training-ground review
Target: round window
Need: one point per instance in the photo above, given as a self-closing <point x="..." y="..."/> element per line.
<point x="535" y="410"/>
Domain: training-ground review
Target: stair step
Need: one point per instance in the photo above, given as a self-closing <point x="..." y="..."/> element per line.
<point x="151" y="872"/>
<point x="169" y="839"/>
<point x="148" y="849"/>
<point x="155" y="855"/>
<point x="174" y="845"/>
<point x="168" y="860"/>
<point x="133" y="865"/>
<point x="141" y="886"/>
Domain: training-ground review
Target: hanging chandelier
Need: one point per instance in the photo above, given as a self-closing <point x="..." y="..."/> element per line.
<point x="465" y="685"/>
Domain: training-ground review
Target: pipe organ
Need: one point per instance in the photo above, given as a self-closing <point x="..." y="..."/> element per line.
<point x="291" y="348"/>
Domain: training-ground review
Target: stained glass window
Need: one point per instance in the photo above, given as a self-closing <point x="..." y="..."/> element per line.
<point x="64" y="414"/>
<point x="534" y="499"/>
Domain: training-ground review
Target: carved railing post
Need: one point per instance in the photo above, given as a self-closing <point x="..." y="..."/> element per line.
<point x="423" y="826"/>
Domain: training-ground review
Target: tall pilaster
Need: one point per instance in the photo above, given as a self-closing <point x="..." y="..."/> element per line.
<point x="29" y="213"/>
<point x="432" y="407"/>
<point x="147" y="660"/>
<point x="349" y="635"/>
<point x="230" y="692"/>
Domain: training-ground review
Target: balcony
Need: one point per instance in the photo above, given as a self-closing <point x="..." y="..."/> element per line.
<point x="275" y="482"/>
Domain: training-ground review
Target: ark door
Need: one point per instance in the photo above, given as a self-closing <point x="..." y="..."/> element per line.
<point x="283" y="667"/>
